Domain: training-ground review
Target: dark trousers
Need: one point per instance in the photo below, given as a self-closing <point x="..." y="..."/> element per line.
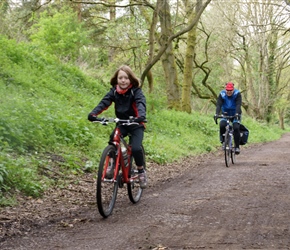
<point x="236" y="127"/>
<point x="136" y="138"/>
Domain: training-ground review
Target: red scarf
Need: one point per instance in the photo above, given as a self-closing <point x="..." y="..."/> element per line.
<point x="122" y="91"/>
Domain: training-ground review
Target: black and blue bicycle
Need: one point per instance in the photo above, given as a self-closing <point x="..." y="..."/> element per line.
<point x="228" y="145"/>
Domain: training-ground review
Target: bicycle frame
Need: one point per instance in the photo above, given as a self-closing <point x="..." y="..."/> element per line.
<point x="118" y="140"/>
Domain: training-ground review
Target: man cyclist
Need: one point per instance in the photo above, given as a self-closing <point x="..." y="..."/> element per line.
<point x="229" y="101"/>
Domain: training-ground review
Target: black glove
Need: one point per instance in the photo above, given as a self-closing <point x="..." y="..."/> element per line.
<point x="138" y="119"/>
<point x="92" y="117"/>
<point x="215" y="117"/>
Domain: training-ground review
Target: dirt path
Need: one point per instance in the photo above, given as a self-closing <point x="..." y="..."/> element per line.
<point x="197" y="204"/>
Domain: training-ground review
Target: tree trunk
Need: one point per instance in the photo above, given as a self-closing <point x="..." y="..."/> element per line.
<point x="163" y="43"/>
<point x="168" y="59"/>
<point x="188" y="63"/>
<point x="112" y="19"/>
<point x="281" y="118"/>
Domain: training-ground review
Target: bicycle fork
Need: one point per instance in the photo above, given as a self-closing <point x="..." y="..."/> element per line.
<point x="228" y="138"/>
<point x="230" y="141"/>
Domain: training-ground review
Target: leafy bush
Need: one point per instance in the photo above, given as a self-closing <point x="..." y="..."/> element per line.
<point x="17" y="173"/>
<point x="59" y="33"/>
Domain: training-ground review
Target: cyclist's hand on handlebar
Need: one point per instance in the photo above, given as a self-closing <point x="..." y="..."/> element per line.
<point x="138" y="119"/>
<point x="215" y="117"/>
<point x="238" y="116"/>
<point x="92" y="118"/>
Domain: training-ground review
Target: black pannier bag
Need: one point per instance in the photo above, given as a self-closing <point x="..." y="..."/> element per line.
<point x="244" y="134"/>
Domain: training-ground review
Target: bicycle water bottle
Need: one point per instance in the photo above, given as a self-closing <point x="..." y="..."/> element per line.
<point x="125" y="155"/>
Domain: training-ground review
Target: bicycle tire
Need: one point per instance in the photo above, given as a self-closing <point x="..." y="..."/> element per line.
<point x="134" y="189"/>
<point x="227" y="149"/>
<point x="233" y="154"/>
<point x="106" y="193"/>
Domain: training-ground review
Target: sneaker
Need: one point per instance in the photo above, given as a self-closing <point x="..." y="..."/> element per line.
<point x="142" y="180"/>
<point x="237" y="151"/>
<point x="110" y="170"/>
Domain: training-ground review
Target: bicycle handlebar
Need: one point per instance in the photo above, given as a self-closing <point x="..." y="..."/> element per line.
<point x="228" y="117"/>
<point x="128" y="122"/>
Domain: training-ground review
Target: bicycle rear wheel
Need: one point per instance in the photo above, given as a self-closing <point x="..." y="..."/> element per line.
<point x="134" y="189"/>
<point x="227" y="150"/>
<point x="106" y="189"/>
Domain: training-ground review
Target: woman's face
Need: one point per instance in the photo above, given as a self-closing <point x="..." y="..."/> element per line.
<point x="123" y="79"/>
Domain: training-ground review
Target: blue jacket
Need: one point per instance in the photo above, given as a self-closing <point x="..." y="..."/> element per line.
<point x="229" y="104"/>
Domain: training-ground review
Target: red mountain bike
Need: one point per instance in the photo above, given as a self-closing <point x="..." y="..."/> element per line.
<point x="118" y="155"/>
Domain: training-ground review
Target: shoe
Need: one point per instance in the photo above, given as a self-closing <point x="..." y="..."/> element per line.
<point x="223" y="146"/>
<point x="110" y="170"/>
<point x="142" y="180"/>
<point x="237" y="151"/>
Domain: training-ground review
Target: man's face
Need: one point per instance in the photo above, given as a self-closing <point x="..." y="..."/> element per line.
<point x="229" y="92"/>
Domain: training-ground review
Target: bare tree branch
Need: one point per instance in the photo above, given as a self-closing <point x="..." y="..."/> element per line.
<point x="170" y="39"/>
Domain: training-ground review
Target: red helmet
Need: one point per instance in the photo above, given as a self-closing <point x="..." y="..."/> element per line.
<point x="230" y="86"/>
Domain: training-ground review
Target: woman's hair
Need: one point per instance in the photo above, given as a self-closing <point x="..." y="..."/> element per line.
<point x="133" y="79"/>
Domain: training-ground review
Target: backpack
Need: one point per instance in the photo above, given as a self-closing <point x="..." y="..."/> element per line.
<point x="244" y="134"/>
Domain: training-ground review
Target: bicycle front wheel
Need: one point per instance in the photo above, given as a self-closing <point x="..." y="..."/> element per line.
<point x="227" y="150"/>
<point x="233" y="154"/>
<point x="106" y="188"/>
<point x="134" y="189"/>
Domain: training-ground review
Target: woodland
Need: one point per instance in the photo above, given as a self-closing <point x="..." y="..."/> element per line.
<point x="57" y="58"/>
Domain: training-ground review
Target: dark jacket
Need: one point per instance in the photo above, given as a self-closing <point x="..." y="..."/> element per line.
<point x="229" y="104"/>
<point x="132" y="103"/>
